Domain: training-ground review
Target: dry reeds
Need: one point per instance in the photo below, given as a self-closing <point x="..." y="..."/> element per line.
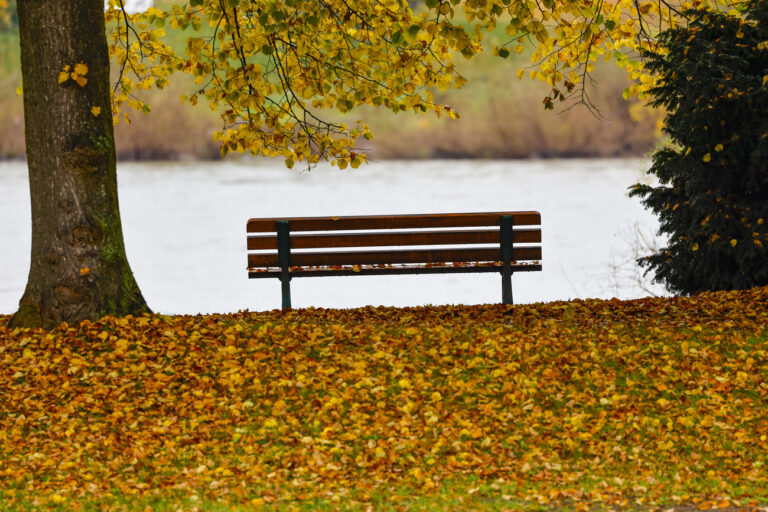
<point x="501" y="117"/>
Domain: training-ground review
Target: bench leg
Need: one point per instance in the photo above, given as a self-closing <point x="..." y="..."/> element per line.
<point x="506" y="288"/>
<point x="284" y="259"/>
<point x="505" y="228"/>
<point x="286" y="286"/>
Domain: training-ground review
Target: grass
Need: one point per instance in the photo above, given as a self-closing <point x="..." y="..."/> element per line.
<point x="465" y="494"/>
<point x="580" y="405"/>
<point x="451" y="497"/>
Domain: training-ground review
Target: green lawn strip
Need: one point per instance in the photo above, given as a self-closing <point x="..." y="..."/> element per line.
<point x="467" y="493"/>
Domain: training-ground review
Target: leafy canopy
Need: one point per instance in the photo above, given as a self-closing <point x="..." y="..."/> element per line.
<point x="271" y="66"/>
<point x="712" y="199"/>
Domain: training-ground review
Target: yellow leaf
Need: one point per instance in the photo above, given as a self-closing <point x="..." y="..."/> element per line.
<point x="719" y="147"/>
<point x="695" y="247"/>
<point x="64" y="75"/>
<point x="81" y="69"/>
<point x="95" y="111"/>
<point x="19" y="91"/>
<point x="706" y="158"/>
<point x="81" y="80"/>
<point x="734" y="242"/>
<point x="85" y="271"/>
<point x="666" y="445"/>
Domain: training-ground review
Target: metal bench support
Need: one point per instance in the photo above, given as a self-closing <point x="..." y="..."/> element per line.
<point x="284" y="259"/>
<point x="506" y="223"/>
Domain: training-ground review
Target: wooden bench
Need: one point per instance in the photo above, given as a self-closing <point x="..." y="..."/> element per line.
<point x="449" y="243"/>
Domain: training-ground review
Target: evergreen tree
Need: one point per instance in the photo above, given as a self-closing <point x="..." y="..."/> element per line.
<point x="712" y="197"/>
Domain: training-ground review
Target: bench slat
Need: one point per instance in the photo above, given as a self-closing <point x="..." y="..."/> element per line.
<point x="436" y="220"/>
<point x="393" y="271"/>
<point x="329" y="240"/>
<point x="393" y="256"/>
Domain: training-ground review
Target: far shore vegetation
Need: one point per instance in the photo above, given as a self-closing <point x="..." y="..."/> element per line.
<point x="501" y="117"/>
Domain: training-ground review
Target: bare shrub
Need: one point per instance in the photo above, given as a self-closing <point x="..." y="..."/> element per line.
<point x="625" y="278"/>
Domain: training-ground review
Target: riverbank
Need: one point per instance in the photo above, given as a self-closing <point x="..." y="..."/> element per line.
<point x="584" y="404"/>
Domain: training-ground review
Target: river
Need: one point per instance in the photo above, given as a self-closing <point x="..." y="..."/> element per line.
<point x="184" y="226"/>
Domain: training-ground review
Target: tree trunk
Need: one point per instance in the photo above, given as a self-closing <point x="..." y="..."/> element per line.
<point x="79" y="269"/>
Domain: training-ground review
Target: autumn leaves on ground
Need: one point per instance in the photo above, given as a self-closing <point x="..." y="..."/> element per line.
<point x="649" y="403"/>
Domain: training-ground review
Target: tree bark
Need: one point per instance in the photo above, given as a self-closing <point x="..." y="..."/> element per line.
<point x="79" y="269"/>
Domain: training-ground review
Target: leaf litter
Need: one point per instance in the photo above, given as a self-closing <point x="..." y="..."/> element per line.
<point x="624" y="403"/>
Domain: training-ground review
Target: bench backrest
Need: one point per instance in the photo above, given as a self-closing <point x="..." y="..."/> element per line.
<point x="376" y="242"/>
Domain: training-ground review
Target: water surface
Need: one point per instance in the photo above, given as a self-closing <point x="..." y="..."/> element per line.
<point x="184" y="226"/>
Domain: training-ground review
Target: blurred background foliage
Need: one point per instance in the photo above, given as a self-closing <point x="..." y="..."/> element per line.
<point x="501" y="116"/>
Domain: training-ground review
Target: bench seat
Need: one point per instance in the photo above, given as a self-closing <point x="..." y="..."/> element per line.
<point x="504" y="242"/>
